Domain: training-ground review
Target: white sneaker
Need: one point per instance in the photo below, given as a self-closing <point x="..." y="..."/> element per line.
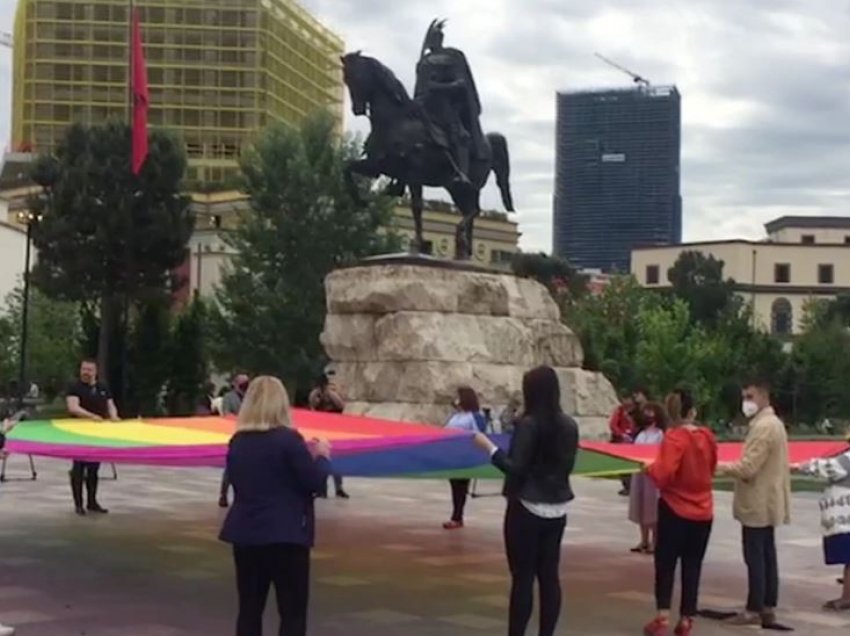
<point x="5" y="630"/>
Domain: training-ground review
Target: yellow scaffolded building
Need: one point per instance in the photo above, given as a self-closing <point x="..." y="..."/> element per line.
<point x="218" y="71"/>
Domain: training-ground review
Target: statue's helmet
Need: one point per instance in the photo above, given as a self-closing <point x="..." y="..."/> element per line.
<point x="434" y="36"/>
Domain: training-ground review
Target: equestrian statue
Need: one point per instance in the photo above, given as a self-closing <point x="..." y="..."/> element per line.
<point x="434" y="139"/>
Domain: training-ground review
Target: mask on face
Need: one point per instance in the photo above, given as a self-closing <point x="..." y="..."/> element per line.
<point x="749" y="408"/>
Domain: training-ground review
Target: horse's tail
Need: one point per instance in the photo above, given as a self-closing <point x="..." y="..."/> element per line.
<point x="502" y="167"/>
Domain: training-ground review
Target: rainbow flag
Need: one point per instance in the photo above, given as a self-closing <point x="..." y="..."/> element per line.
<point x="362" y="446"/>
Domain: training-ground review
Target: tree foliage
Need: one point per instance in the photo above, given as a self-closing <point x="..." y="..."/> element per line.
<point x="189" y="369"/>
<point x="52" y="344"/>
<point x="302" y="225"/>
<point x="698" y="280"/>
<point x="106" y="235"/>
<point x="556" y="274"/>
<point x="149" y="360"/>
<point x="648" y="338"/>
<point x="607" y="326"/>
<point x="820" y="364"/>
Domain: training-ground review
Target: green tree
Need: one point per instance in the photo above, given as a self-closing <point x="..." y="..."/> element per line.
<point x="106" y="236"/>
<point x="557" y="275"/>
<point x="607" y="327"/>
<point x="189" y="370"/>
<point x="149" y="358"/>
<point x="698" y="280"/>
<point x="53" y="340"/>
<point x="673" y="352"/>
<point x="302" y="225"/>
<point x="821" y="365"/>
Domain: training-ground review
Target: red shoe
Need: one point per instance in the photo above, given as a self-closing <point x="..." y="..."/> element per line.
<point x="658" y="627"/>
<point x="453" y="525"/>
<point x="684" y="627"/>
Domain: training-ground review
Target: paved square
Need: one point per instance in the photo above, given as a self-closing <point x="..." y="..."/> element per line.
<point x="383" y="563"/>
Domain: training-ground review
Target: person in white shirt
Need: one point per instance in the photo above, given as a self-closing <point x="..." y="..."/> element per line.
<point x="467" y="418"/>
<point x="835" y="517"/>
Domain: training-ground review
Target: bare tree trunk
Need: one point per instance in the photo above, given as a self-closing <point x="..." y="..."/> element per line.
<point x="105" y="336"/>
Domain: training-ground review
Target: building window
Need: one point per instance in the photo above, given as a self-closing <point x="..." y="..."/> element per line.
<point x="782" y="273"/>
<point x="781" y="318"/>
<point x="826" y="274"/>
<point x="808" y="239"/>
<point x="652" y="274"/>
<point x="847" y="240"/>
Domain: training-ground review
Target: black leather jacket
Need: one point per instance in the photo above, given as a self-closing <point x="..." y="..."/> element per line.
<point x="535" y="472"/>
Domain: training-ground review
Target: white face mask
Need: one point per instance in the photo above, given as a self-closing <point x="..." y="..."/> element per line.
<point x="749" y="408"/>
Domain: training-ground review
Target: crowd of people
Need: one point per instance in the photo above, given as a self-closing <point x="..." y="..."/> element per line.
<point x="276" y="475"/>
<point x="672" y="503"/>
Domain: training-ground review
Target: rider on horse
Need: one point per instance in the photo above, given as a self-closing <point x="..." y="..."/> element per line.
<point x="448" y="102"/>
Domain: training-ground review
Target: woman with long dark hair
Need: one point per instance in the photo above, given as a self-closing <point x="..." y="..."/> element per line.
<point x="683" y="473"/>
<point x="537" y="486"/>
<point x="468" y="418"/>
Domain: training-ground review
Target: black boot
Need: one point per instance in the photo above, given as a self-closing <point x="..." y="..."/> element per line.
<point x="77" y="490"/>
<point x="91" y="493"/>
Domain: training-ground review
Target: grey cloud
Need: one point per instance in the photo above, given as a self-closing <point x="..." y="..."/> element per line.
<point x="785" y="60"/>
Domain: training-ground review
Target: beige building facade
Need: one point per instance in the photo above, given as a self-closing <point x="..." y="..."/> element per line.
<point x="802" y="259"/>
<point x="495" y="239"/>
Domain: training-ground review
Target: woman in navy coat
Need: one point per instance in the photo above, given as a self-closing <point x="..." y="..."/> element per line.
<point x="275" y="476"/>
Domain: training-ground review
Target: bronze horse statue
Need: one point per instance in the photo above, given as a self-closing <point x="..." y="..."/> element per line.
<point x="405" y="147"/>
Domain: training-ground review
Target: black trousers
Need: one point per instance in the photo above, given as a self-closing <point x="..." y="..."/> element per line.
<point x="460" y="491"/>
<point x="337" y="479"/>
<point x="683" y="541"/>
<point x="257" y="568"/>
<point x="533" y="547"/>
<point x="88" y="474"/>
<point x="762" y="568"/>
<point x="225" y="484"/>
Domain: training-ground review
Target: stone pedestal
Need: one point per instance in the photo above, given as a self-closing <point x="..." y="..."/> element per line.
<point x="405" y="333"/>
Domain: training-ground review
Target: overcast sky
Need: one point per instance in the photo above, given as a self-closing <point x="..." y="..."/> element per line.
<point x="765" y="91"/>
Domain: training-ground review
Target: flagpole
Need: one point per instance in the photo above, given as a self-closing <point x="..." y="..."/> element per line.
<point x="125" y="313"/>
<point x="130" y="9"/>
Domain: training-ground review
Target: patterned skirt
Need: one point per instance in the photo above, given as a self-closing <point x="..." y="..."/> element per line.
<point x="836" y="549"/>
<point x="643" y="501"/>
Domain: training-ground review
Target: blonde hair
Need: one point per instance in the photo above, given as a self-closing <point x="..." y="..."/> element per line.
<point x="265" y="407"/>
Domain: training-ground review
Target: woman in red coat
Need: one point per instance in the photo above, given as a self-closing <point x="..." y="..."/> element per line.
<point x="683" y="472"/>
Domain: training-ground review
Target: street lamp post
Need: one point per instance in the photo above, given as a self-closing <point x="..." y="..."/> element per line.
<point x="28" y="218"/>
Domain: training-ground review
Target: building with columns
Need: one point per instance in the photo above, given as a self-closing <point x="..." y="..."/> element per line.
<point x="801" y="259"/>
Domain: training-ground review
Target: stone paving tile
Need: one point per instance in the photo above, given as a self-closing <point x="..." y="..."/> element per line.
<point x="820" y="619"/>
<point x="144" y="630"/>
<point x="495" y="600"/>
<point x="24" y="617"/>
<point x="473" y="621"/>
<point x="383" y="563"/>
<point x="10" y="592"/>
<point x="387" y="617"/>
<point x="342" y="581"/>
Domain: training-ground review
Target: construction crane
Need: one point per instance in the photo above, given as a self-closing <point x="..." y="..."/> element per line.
<point x="6" y="39"/>
<point x="637" y="79"/>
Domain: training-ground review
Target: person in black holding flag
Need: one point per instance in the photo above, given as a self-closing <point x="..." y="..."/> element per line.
<point x="88" y="399"/>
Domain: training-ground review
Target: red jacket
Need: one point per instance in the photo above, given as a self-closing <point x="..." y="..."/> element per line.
<point x="684" y="471"/>
<point x="622" y="425"/>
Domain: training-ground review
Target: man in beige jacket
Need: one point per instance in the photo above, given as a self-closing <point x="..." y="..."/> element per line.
<point x="762" y="501"/>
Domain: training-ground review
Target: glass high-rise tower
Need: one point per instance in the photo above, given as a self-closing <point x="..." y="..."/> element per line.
<point x="218" y="71"/>
<point x="616" y="175"/>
